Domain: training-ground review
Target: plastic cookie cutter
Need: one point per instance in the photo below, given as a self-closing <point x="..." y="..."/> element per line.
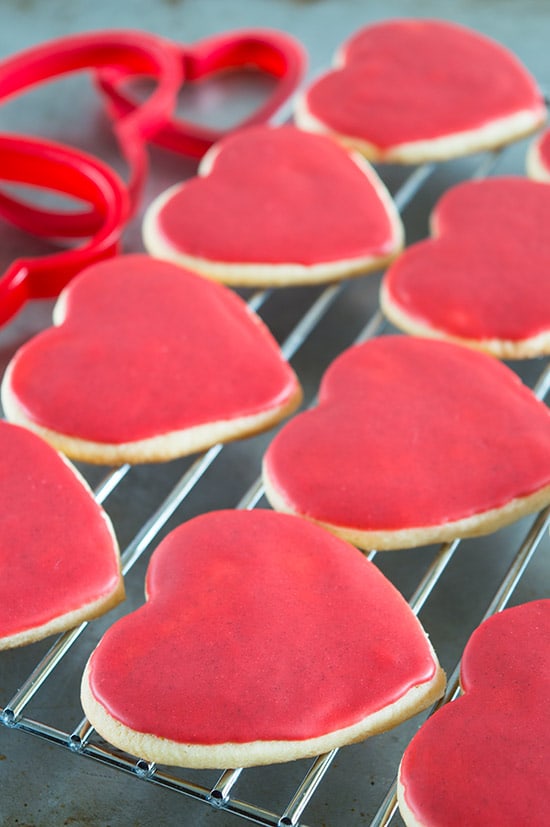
<point x="128" y="51"/>
<point x="120" y="56"/>
<point x="271" y="52"/>
<point x="116" y="57"/>
<point x="72" y="173"/>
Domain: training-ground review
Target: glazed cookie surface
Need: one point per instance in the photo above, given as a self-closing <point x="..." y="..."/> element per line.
<point x="147" y="362"/>
<point x="396" y="415"/>
<point x="263" y="639"/>
<point x="274" y="206"/>
<point x="483" y="759"/>
<point x="482" y="279"/>
<point x="58" y="554"/>
<point x="410" y="90"/>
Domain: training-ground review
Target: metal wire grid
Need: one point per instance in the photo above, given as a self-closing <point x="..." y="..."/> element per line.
<point x="80" y="739"/>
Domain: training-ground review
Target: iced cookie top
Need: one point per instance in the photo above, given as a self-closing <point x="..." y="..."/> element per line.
<point x="58" y="553"/>
<point x="396" y="416"/>
<point x="276" y="196"/>
<point x="143" y="348"/>
<point x="404" y="82"/>
<point x="493" y="743"/>
<point x="483" y="277"/>
<point x="258" y="626"/>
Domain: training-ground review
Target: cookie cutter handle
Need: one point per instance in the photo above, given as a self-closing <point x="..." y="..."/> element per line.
<point x="67" y="171"/>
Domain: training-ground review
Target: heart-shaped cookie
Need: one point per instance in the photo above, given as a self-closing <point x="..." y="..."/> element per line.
<point x="484" y="758"/>
<point x="263" y="639"/>
<point x="413" y="442"/>
<point x="538" y="158"/>
<point x="482" y="280"/>
<point x="409" y="91"/>
<point x="148" y="362"/>
<point x="276" y="206"/>
<point x="59" y="559"/>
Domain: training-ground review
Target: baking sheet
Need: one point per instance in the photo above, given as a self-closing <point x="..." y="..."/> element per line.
<point x="43" y="785"/>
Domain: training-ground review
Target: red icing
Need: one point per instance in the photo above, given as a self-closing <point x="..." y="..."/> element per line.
<point x="258" y="626"/>
<point x="484" y="759"/>
<point x="396" y="416"/>
<point x="56" y="551"/>
<point x="148" y="348"/>
<point x="485" y="276"/>
<point x="278" y="196"/>
<point x="410" y="80"/>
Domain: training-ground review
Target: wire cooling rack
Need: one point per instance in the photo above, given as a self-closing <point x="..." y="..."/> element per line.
<point x="313" y="325"/>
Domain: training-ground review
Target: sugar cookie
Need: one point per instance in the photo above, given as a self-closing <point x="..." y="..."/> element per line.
<point x="263" y="639"/>
<point x="482" y="279"/>
<point x="483" y="759"/>
<point x="410" y="91"/>
<point x="58" y="553"/>
<point x="147" y="362"/>
<point x="396" y="416"/>
<point x="276" y="206"/>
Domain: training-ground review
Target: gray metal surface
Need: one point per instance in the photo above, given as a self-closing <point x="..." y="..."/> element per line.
<point x="42" y="784"/>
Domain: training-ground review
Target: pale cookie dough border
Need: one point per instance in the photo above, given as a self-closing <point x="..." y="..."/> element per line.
<point x="263" y="274"/>
<point x="475" y="526"/>
<point x="406" y="813"/>
<point x="255" y="753"/>
<point x="500" y="348"/>
<point x="67" y="621"/>
<point x="492" y="135"/>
